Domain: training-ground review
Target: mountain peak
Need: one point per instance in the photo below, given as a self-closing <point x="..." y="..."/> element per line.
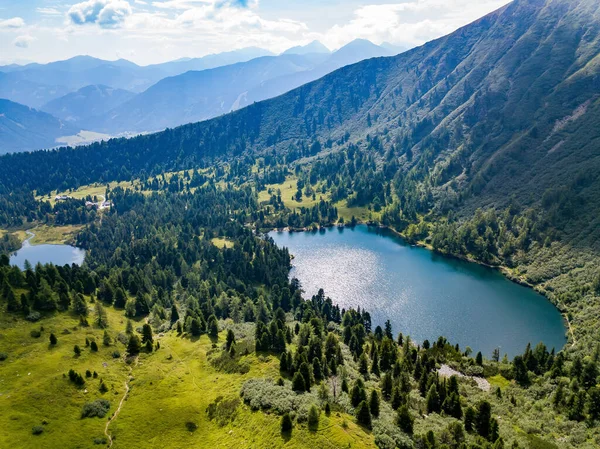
<point x="313" y="47"/>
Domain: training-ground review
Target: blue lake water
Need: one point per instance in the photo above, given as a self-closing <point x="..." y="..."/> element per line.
<point x="56" y="254"/>
<point x="423" y="294"/>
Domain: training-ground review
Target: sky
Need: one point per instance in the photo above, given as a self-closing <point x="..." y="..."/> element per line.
<point x="154" y="31"/>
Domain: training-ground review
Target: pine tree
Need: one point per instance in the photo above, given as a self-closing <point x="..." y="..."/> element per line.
<point x="313" y="417"/>
<point x="363" y="365"/>
<point x="358" y="393"/>
<point x="374" y="404"/>
<point x="283" y="364"/>
<point x="470" y="416"/>
<point x="106" y="340"/>
<point x="147" y="334"/>
<point x="405" y="420"/>
<point x="174" y="314"/>
<point x="77" y="350"/>
<point x="53" y="340"/>
<point x="386" y="386"/>
<point x="433" y="400"/>
<point x="286" y="423"/>
<point x="93" y="346"/>
<point x="213" y="327"/>
<point x="298" y="383"/>
<point x="483" y="419"/>
<point x="375" y="364"/>
<point x="363" y="415"/>
<point x="230" y="340"/>
<point x="134" y="345"/>
<point x="196" y="328"/>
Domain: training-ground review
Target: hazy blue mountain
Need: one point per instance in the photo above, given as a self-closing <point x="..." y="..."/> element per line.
<point x="196" y="96"/>
<point x="37" y="84"/>
<point x="199" y="95"/>
<point x="15" y="88"/>
<point x="313" y="47"/>
<point x="87" y="102"/>
<point x="210" y="61"/>
<point x="23" y="128"/>
<point x="355" y="51"/>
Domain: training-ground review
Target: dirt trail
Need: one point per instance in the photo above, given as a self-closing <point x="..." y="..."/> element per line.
<point x="118" y="410"/>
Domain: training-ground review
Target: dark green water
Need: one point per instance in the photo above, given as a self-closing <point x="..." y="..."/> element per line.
<point x="423" y="294"/>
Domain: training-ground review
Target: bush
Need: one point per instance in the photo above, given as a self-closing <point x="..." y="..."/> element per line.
<point x="223" y="411"/>
<point x="53" y="339"/>
<point x="116" y="354"/>
<point x="33" y="317"/>
<point x="286" y="423"/>
<point x="94" y="346"/>
<point x="262" y="394"/>
<point x="100" y="440"/>
<point x="474" y="370"/>
<point x="3" y="356"/>
<point x="35" y="333"/>
<point x="191" y="426"/>
<point x="98" y="408"/>
<point x="37" y="430"/>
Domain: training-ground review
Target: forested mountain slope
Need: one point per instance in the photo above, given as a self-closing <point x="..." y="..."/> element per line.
<point x="24" y="128"/>
<point x="87" y="102"/>
<point x="481" y="112"/>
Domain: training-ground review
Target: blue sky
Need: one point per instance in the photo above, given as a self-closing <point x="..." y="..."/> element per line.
<point x="151" y="31"/>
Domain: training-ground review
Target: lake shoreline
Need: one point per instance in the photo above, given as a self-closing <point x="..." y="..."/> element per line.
<point x="505" y="271"/>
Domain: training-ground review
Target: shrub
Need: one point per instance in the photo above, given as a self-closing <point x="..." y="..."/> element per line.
<point x="94" y="346"/>
<point x="37" y="430"/>
<point x="262" y="394"/>
<point x="223" y="411"/>
<point x="77" y="350"/>
<point x="35" y="333"/>
<point x="98" y="408"/>
<point x="191" y="426"/>
<point x="53" y="339"/>
<point x="3" y="356"/>
<point x="100" y="440"/>
<point x="286" y="423"/>
<point x="116" y="354"/>
<point x="229" y="364"/>
<point x="33" y="317"/>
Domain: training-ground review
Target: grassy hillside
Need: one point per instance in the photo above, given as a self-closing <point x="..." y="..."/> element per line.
<point x="170" y="389"/>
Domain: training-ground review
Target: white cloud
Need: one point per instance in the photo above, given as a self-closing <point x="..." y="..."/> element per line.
<point x="49" y="11"/>
<point x="23" y="41"/>
<point x="411" y="23"/>
<point x="14" y="23"/>
<point x="140" y="2"/>
<point x="105" y="13"/>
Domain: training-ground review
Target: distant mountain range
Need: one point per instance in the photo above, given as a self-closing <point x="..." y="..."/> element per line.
<point x="199" y="95"/>
<point x="118" y="97"/>
<point x="53" y="80"/>
<point x="23" y="128"/>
